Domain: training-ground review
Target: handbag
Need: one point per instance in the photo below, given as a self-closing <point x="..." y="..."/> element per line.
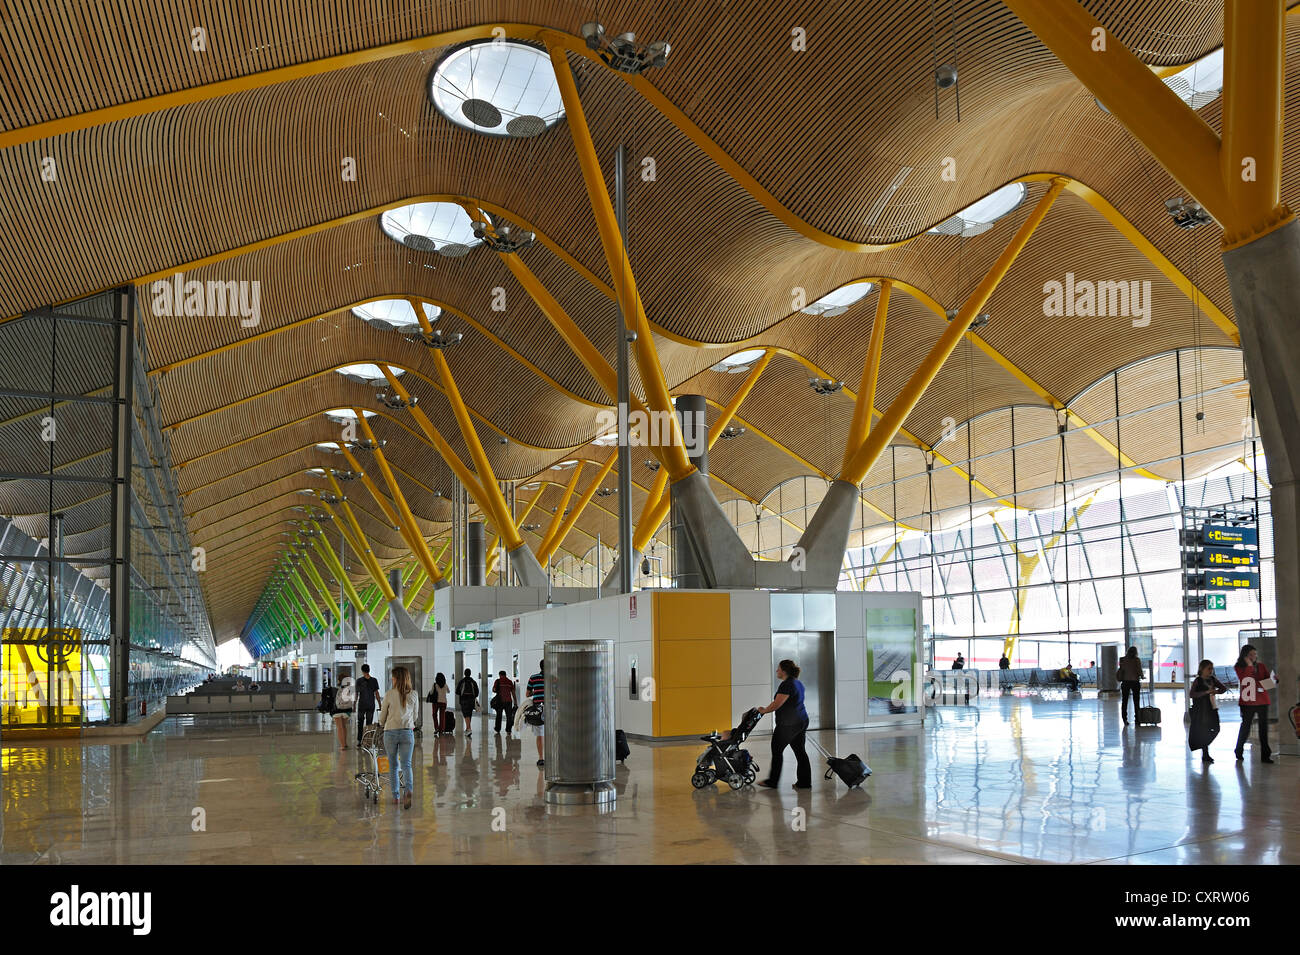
<point x="533" y="715"/>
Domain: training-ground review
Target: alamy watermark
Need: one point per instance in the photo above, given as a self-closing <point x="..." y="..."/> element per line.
<point x="655" y="428"/>
<point x="177" y="298"/>
<point x="1085" y="298"/>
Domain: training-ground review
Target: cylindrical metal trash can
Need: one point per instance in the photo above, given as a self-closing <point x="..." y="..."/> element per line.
<point x="1106" y="667"/>
<point x="579" y="718"/>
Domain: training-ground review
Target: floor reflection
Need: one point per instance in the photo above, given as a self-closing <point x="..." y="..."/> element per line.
<point x="1005" y="779"/>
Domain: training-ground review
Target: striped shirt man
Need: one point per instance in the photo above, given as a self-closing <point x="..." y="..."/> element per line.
<point x="537" y="688"/>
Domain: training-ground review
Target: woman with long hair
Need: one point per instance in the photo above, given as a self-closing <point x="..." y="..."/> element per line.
<point x="397" y="717"/>
<point x="1255" y="680"/>
<point x="791" y="726"/>
<point x="438" y="697"/>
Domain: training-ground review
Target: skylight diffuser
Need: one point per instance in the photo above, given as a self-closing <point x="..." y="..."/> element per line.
<point x="497" y="87"/>
<point x="980" y="215"/>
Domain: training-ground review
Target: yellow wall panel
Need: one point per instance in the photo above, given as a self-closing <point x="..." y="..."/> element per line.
<point x="693" y="711"/>
<point x="691" y="616"/>
<point x="692" y="663"/>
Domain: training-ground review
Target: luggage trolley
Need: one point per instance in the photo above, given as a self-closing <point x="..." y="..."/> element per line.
<point x="372" y="745"/>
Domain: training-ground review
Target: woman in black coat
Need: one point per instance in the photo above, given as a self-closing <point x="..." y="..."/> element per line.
<point x="1204" y="723"/>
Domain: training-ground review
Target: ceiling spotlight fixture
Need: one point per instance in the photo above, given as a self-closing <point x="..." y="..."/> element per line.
<point x="979" y="321"/>
<point x="529" y="528"/>
<point x="348" y="475"/>
<point x="624" y="53"/>
<point x="945" y="77"/>
<point x="438" y="338"/>
<point x="1187" y="213"/>
<point x="825" y="386"/>
<point x="731" y="431"/>
<point x="332" y="498"/>
<point x="504" y="238"/>
<point x="652" y="464"/>
<point x="365" y="444"/>
<point x="395" y="402"/>
<point x="606" y="491"/>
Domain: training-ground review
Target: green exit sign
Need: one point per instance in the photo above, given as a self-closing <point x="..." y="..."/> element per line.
<point x="1216" y="601"/>
<point x="464" y="635"/>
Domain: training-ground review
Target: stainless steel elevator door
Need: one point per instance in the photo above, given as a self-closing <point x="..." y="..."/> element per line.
<point x="814" y="653"/>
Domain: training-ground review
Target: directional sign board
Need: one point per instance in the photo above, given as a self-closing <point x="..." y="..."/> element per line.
<point x="1227" y="557"/>
<point x="1216" y="601"/>
<point x="1224" y="535"/>
<point x="1229" y="580"/>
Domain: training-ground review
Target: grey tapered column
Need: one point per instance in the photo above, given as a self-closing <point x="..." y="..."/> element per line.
<point x="692" y="412"/>
<point x="1264" y="277"/>
<point x="475" y="554"/>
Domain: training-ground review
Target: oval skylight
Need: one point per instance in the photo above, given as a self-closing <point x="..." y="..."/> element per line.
<point x="502" y="88"/>
<point x="980" y="215"/>
<point x="395" y="314"/>
<point x="563" y="465"/>
<point x="740" y="361"/>
<point x="431" y="227"/>
<point x="347" y="414"/>
<point x="329" y="446"/>
<point x="838" y="301"/>
<point x="606" y="439"/>
<point x="367" y="374"/>
<point x="1199" y="83"/>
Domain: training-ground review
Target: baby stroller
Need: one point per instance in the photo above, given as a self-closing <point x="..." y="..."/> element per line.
<point x="372" y="748"/>
<point x="725" y="760"/>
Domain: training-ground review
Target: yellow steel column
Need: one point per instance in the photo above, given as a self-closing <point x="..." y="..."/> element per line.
<point x="367" y="555"/>
<point x="406" y="518"/>
<point x="464" y="474"/>
<point x="673" y="455"/>
<point x="336" y="566"/>
<point x="558" y="519"/>
<point x="1172" y="131"/>
<point x="652" y="512"/>
<point x="1250" y="160"/>
<point x="885" y="430"/>
<point x="558" y="539"/>
<point x="314" y="576"/>
<point x="866" y="400"/>
<point x="413" y="588"/>
<point x="492" y="501"/>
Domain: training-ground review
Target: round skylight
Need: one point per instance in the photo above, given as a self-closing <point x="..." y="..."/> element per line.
<point x="838" y="301"/>
<point x="563" y="465"/>
<point x="367" y="374"/>
<point x="395" y="314"/>
<point x="498" y="87"/>
<point x="431" y="227"/>
<point x="329" y="446"/>
<point x="606" y="439"/>
<point x="740" y="361"/>
<point x="980" y="215"/>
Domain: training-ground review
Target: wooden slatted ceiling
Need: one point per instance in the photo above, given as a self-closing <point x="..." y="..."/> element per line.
<point x="196" y="217"/>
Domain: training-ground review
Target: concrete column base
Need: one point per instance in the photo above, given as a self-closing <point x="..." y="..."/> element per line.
<point x="526" y="567"/>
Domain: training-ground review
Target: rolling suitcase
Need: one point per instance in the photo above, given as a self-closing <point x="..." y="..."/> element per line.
<point x="448" y="721"/>
<point x="1148" y="714"/>
<point x="851" y="769"/>
<point x="621" y="750"/>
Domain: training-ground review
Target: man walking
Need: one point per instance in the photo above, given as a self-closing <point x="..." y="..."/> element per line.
<point x="367" y="697"/>
<point x="503" y="690"/>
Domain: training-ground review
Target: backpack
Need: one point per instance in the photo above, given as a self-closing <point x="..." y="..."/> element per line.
<point x="326" y="703"/>
<point x="346" y="695"/>
<point x="468" y="689"/>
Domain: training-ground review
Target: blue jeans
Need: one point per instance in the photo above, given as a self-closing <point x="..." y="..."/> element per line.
<point x="400" y="745"/>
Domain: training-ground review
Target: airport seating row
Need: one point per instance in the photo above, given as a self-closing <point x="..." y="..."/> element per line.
<point x="241" y="702"/>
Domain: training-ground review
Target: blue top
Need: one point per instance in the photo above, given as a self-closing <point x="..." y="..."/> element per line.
<point x="792" y="712"/>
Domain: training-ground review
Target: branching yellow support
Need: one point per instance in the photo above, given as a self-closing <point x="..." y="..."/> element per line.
<point x="557" y="541"/>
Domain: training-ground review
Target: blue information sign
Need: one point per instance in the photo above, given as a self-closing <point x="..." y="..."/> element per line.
<point x="1229" y="580"/>
<point x="1225" y="535"/>
<point x="1225" y="557"/>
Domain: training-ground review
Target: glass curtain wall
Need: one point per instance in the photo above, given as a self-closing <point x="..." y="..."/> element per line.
<point x="101" y="611"/>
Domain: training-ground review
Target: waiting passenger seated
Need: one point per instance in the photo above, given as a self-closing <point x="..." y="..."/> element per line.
<point x="959" y="663"/>
<point x="1067" y="675"/>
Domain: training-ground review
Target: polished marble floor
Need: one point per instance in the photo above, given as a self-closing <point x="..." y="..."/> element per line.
<point x="1008" y="780"/>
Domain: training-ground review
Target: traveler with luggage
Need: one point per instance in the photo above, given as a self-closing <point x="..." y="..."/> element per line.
<point x="367" y="700"/>
<point x="1255" y="680"/>
<point x="791" y="727"/>
<point x="1129" y="675"/>
<point x="345" y="698"/>
<point x="467" y="695"/>
<point x="534" y="714"/>
<point x="438" y="699"/>
<point x="503" y="701"/>
<point x="1203" y="724"/>
<point x="397" y="717"/>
